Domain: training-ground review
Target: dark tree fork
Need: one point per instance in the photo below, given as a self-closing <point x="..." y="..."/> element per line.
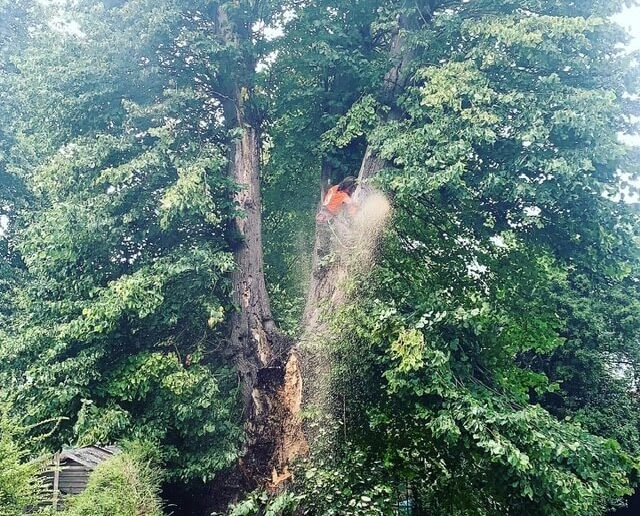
<point x="323" y="285"/>
<point x="267" y="362"/>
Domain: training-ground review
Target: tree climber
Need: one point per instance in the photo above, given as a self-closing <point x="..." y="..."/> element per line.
<point x="338" y="200"/>
<point x="334" y="219"/>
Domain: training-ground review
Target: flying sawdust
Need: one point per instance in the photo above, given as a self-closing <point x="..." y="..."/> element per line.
<point x="344" y="250"/>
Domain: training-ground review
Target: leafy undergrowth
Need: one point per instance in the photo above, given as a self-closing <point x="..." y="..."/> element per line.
<point x="20" y="487"/>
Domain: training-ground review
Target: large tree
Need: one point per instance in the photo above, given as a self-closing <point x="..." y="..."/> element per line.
<point x="507" y="283"/>
<point x="139" y="138"/>
<point x="500" y="312"/>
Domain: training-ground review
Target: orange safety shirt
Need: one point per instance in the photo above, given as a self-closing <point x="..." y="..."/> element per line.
<point x="335" y="199"/>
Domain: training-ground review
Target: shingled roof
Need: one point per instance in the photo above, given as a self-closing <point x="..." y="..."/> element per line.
<point x="89" y="456"/>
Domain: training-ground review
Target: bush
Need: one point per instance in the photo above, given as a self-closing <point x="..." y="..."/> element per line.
<point x="126" y="485"/>
<point x="20" y="487"/>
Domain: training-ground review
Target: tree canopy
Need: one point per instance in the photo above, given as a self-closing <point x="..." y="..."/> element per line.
<point x="485" y="361"/>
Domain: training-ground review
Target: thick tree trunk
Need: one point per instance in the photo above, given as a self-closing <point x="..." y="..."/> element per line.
<point x="252" y="327"/>
<point x="267" y="366"/>
<point x="268" y="370"/>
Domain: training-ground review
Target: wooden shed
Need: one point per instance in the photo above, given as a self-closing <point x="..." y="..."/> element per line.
<point x="71" y="469"/>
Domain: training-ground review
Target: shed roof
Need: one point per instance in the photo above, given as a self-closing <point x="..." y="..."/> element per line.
<point x="89" y="456"/>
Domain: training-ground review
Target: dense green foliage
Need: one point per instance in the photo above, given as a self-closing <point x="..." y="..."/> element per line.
<point x="508" y="283"/>
<point x="487" y="363"/>
<point x="115" y="323"/>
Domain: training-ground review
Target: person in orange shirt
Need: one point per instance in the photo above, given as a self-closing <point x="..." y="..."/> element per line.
<point x="337" y="199"/>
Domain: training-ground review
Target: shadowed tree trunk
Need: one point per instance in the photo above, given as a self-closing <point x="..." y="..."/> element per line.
<point x="268" y="372"/>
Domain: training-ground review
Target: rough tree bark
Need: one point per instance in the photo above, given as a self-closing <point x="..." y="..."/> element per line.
<point x="268" y="371"/>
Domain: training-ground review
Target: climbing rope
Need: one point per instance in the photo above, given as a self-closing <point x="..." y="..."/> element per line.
<point x="351" y="248"/>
